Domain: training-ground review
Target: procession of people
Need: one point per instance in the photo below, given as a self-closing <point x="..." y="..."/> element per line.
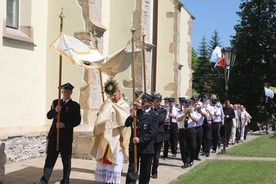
<point x="197" y="126"/>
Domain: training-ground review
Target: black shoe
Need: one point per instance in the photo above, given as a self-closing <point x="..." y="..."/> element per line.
<point x="198" y="159"/>
<point x="214" y="151"/>
<point x="42" y="182"/>
<point x="154" y="176"/>
<point x="65" y="181"/>
<point x="191" y="164"/>
<point x="185" y="166"/>
<point x="207" y="154"/>
<point x="203" y="153"/>
<point x="164" y="156"/>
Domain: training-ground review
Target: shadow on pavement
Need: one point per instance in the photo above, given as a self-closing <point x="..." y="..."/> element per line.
<point x="31" y="175"/>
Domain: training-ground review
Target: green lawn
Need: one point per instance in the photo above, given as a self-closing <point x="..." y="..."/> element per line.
<point x="263" y="146"/>
<point x="231" y="172"/>
<point x="238" y="171"/>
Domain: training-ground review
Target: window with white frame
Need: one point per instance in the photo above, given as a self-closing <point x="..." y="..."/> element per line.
<point x="12" y="20"/>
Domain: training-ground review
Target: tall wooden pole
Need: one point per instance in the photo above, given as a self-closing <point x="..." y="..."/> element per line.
<point x="61" y="16"/>
<point x="100" y="72"/>
<point x="134" y="98"/>
<point x="144" y="63"/>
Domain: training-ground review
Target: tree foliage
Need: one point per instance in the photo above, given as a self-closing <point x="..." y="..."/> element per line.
<point x="194" y="60"/>
<point x="255" y="42"/>
<point x="206" y="78"/>
<point x="201" y="75"/>
<point x="215" y="41"/>
<point x="217" y="73"/>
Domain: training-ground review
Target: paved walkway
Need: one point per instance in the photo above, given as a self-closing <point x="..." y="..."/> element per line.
<point x="29" y="171"/>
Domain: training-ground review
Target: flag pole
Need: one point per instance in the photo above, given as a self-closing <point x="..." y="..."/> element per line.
<point x="100" y="72"/>
<point x="134" y="104"/>
<point x="144" y="62"/>
<point x="61" y="16"/>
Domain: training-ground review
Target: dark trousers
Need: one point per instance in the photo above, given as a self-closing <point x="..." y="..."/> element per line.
<point x="199" y="136"/>
<point x="65" y="150"/>
<point x="157" y="149"/>
<point x="245" y="131"/>
<point x="174" y="137"/>
<point x="228" y="132"/>
<point x="207" y="137"/>
<point x="216" y="134"/>
<point x="238" y="134"/>
<point x="225" y="132"/>
<point x="145" y="165"/>
<point x="187" y="142"/>
<point x="167" y="140"/>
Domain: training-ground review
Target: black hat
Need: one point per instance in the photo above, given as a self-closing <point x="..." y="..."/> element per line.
<point x="205" y="97"/>
<point x="157" y="96"/>
<point x="147" y="97"/>
<point x="194" y="98"/>
<point x="67" y="86"/>
<point x="166" y="98"/>
<point x="170" y="100"/>
<point x="188" y="101"/>
<point x="138" y="93"/>
<point x="182" y="99"/>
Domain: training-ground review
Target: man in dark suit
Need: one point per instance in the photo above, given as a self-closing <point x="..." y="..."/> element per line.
<point x="147" y="126"/>
<point x="69" y="118"/>
<point x="160" y="136"/>
<point x="238" y="122"/>
<point x="229" y="114"/>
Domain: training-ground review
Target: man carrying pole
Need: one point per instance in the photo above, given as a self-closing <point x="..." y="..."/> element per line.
<point x="147" y="127"/>
<point x="70" y="117"/>
<point x="66" y="115"/>
<point x="143" y="132"/>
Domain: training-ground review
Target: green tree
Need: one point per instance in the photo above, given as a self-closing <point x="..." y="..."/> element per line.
<point x="206" y="78"/>
<point x="256" y="45"/>
<point x="215" y="41"/>
<point x="194" y="60"/>
<point x="202" y="75"/>
<point x="217" y="73"/>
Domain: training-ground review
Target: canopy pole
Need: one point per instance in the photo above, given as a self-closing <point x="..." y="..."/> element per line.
<point x="61" y="16"/>
<point x="144" y="63"/>
<point x="133" y="95"/>
<point x="100" y="72"/>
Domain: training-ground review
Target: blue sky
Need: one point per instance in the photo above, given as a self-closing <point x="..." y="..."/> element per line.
<point x="211" y="15"/>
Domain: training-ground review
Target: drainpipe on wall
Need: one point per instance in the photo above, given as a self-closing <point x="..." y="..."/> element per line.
<point x="154" y="42"/>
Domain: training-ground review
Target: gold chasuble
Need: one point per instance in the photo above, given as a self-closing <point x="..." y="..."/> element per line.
<point x="110" y="134"/>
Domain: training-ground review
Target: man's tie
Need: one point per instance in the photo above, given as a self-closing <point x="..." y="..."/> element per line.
<point x="170" y="116"/>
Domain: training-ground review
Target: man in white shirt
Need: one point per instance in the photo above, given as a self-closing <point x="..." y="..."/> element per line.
<point x="172" y="113"/>
<point x="187" y="134"/>
<point x="216" y="124"/>
<point x="207" y="126"/>
<point x="202" y="114"/>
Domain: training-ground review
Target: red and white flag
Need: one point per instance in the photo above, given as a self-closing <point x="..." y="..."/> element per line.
<point x="216" y="55"/>
<point x="221" y="63"/>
